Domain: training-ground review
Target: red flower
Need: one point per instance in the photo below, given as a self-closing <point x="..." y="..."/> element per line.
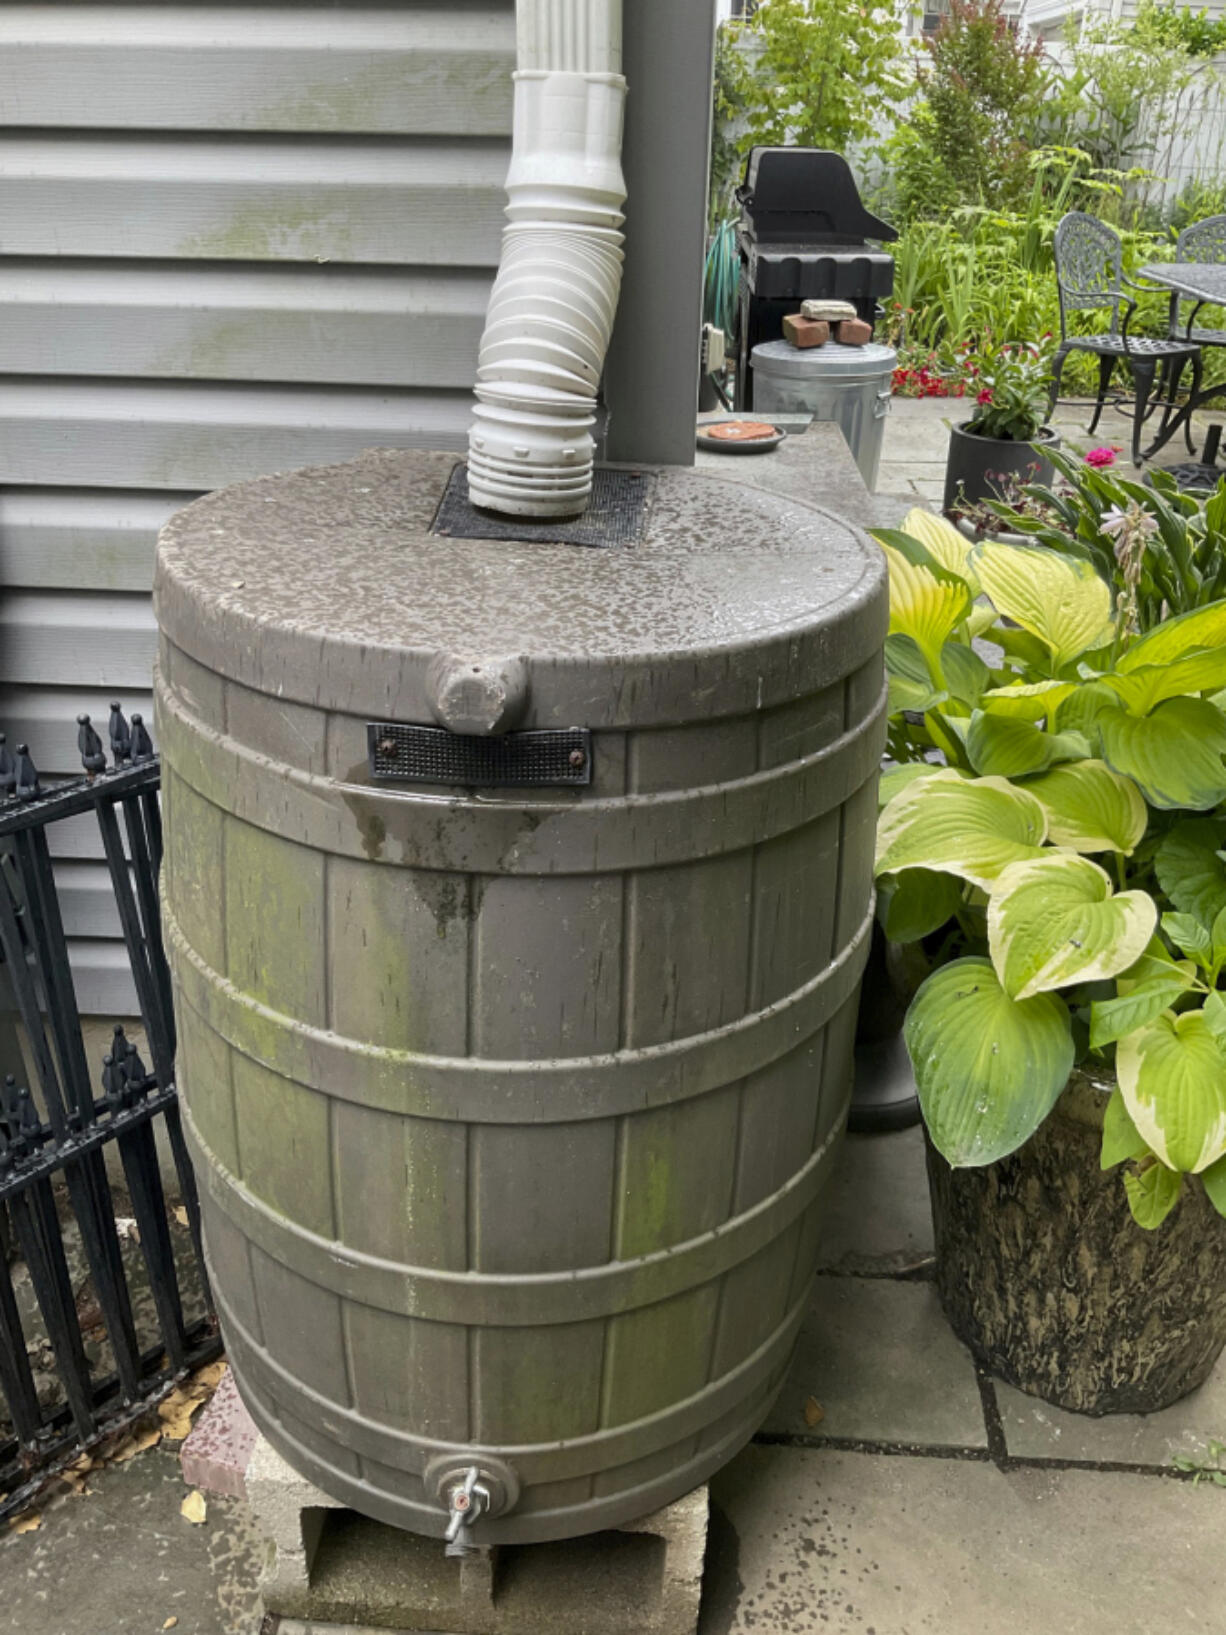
<point x="985" y="396"/>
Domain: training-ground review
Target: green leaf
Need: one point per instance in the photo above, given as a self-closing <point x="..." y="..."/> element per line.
<point x="1173" y="1076"/>
<point x="1174" y="638"/>
<point x="988" y="1068"/>
<point x="1121" y="1140"/>
<point x="1214" y="1011"/>
<point x="1057" y="598"/>
<point x="910" y="685"/>
<point x="1111" y="1019"/>
<point x="1007" y="747"/>
<point x="1214" y="1179"/>
<point x="1091" y="808"/>
<point x="1079" y="712"/>
<point x="1032" y="701"/>
<point x="917" y="902"/>
<point x="1140" y="690"/>
<point x="898" y="777"/>
<point x="943" y="543"/>
<point x="966" y="675"/>
<point x="972" y="828"/>
<point x="1152" y="1195"/>
<point x="1190" y="936"/>
<point x="927" y="602"/>
<point x="1190" y="868"/>
<point x="1174" y="755"/>
<point x="1053" y="921"/>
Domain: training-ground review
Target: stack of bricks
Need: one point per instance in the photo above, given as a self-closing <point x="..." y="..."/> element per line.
<point x="818" y="321"/>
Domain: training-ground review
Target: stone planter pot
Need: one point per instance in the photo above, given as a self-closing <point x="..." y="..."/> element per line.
<point x="1047" y="1279"/>
<point x="977" y="468"/>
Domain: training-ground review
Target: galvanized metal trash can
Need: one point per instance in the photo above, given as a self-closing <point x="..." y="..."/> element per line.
<point x="850" y="385"/>
<point x="513" y="1101"/>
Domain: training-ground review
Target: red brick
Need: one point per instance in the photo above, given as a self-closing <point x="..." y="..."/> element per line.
<point x="805" y="332"/>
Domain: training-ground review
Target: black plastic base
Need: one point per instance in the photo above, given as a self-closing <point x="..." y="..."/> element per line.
<point x="884" y="1097"/>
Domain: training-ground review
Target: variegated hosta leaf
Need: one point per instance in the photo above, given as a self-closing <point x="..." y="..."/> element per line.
<point x="943" y="542"/>
<point x="1031" y="701"/>
<point x="1175" y="755"/>
<point x="966" y="675"/>
<point x="1054" y="921"/>
<point x="1058" y="598"/>
<point x="898" y="777"/>
<point x="927" y="602"/>
<point x="1173" y="1077"/>
<point x="973" y="828"/>
<point x="988" y="1068"/>
<point x="1139" y="690"/>
<point x="1005" y="747"/>
<point x="1173" y="638"/>
<point x="1191" y="870"/>
<point x="1091" y="808"/>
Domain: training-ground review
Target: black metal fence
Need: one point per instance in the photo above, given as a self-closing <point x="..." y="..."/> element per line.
<point x="100" y="1312"/>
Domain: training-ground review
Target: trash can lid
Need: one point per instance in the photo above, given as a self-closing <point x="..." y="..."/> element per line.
<point x="782" y="358"/>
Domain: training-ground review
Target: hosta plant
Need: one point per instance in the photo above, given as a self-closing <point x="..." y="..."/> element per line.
<point x="1056" y="833"/>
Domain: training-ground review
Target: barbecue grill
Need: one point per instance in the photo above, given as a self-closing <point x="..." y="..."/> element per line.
<point x="803" y="235"/>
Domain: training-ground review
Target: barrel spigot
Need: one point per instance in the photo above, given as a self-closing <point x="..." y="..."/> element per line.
<point x="467" y="1501"/>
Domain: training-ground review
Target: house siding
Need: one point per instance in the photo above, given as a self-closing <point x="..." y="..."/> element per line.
<point x="234" y="238"/>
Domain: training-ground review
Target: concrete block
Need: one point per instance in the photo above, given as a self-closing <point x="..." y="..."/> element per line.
<point x="334" y="1572"/>
<point x="214" y="1456"/>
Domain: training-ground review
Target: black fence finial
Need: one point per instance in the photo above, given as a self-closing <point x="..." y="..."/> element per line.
<point x="90" y="745"/>
<point x="141" y="743"/>
<point x="27" y="775"/>
<point x="121" y="738"/>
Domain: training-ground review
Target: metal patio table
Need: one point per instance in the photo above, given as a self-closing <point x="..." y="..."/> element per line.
<point x="1204" y="283"/>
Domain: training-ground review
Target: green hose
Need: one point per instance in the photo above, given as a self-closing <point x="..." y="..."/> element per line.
<point x="722" y="280"/>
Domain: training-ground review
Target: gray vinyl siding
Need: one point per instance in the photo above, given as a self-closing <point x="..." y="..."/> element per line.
<point x="234" y="238"/>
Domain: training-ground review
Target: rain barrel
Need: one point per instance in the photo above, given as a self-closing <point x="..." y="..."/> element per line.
<point x="512" y="1103"/>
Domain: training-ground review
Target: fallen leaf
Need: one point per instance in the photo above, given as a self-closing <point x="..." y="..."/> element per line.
<point x="170" y="1623"/>
<point x="27" y="1524"/>
<point x="136" y="1444"/>
<point x="126" y="1227"/>
<point x="194" y="1509"/>
<point x="211" y="1374"/>
<point x="814" y="1412"/>
<point x="181" y="1215"/>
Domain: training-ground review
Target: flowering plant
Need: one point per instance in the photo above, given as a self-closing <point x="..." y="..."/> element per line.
<point x="1011" y="385"/>
<point x="1101" y="457"/>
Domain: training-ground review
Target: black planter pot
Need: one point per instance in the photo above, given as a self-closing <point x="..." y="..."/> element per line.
<point x="978" y="468"/>
<point x="885" y="1097"/>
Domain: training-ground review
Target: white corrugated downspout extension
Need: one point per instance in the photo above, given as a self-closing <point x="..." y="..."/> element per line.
<point x="551" y="313"/>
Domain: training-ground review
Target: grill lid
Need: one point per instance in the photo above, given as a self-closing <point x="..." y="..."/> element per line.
<point x="805" y="196"/>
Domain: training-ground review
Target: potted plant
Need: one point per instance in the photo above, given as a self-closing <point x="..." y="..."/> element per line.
<point x="1005" y="439"/>
<point x="1054" y="835"/>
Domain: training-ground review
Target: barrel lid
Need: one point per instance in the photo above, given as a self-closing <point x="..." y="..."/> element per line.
<point x="782" y="358"/>
<point x="327" y="586"/>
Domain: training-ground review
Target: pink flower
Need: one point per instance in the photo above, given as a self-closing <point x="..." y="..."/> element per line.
<point x="1101" y="457"/>
<point x="985" y="396"/>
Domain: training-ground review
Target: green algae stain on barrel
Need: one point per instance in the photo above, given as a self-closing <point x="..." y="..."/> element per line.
<point x="512" y="1108"/>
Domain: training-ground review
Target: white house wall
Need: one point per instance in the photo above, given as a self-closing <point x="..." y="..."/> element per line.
<point x="233" y="239"/>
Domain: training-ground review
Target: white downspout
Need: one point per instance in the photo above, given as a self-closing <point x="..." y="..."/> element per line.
<point x="551" y="313"/>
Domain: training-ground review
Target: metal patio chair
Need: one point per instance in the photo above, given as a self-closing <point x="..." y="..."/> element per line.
<point x="1089" y="273"/>
<point x="1205" y="242"/>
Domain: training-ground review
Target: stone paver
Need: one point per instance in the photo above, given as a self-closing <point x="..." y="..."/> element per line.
<point x="917" y="437"/>
<point x="1036" y="1430"/>
<point x="855" y="1544"/>
<point x="122" y="1560"/>
<point x="882" y="1363"/>
<point x="878" y="1220"/>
